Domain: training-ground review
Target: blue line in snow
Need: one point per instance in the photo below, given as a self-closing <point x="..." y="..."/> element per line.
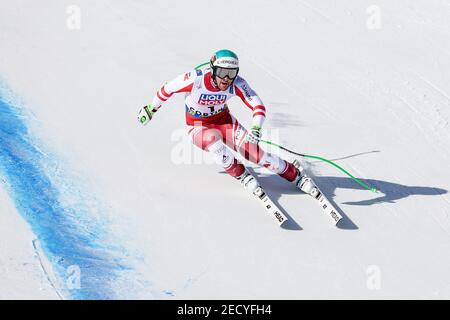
<point x="69" y="235"/>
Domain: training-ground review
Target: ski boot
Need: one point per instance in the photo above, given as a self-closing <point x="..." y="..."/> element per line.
<point x="305" y="183"/>
<point x="250" y="183"/>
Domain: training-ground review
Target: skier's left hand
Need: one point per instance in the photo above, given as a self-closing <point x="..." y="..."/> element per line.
<point x="254" y="136"/>
<point x="146" y="114"/>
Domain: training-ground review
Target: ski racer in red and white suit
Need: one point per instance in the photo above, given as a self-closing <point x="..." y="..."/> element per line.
<point x="213" y="128"/>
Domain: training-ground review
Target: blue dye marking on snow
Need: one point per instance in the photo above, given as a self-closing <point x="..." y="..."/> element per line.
<point x="169" y="293"/>
<point x="69" y="236"/>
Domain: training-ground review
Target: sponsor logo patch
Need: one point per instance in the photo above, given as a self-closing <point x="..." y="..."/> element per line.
<point x="212" y="99"/>
<point x="246" y="90"/>
<point x="226" y="62"/>
<point x="198" y="114"/>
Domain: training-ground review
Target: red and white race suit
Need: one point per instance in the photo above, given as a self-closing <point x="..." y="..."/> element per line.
<point x="212" y="127"/>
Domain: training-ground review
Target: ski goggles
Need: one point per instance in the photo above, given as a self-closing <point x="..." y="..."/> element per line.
<point x="224" y="72"/>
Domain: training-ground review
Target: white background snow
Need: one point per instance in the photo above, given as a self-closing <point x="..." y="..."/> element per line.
<point x="373" y="94"/>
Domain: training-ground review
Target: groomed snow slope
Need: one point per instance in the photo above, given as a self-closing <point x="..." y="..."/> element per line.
<point x="377" y="101"/>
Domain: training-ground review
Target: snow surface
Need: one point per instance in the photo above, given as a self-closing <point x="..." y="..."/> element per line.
<point x="152" y="225"/>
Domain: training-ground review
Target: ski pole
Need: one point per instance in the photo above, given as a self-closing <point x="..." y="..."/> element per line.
<point x="201" y="65"/>
<point x="373" y="189"/>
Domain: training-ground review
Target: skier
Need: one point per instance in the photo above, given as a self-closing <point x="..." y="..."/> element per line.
<point x="214" y="129"/>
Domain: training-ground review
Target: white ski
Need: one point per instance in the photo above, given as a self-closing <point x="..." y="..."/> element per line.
<point x="251" y="184"/>
<point x="327" y="207"/>
<point x="271" y="208"/>
<point x="324" y="203"/>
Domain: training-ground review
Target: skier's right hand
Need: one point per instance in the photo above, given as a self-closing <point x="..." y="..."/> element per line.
<point x="146" y="114"/>
<point x="254" y="136"/>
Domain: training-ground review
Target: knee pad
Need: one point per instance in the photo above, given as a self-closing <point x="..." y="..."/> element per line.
<point x="221" y="153"/>
<point x="272" y="162"/>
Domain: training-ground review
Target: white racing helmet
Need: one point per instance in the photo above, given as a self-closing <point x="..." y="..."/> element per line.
<point x="224" y="63"/>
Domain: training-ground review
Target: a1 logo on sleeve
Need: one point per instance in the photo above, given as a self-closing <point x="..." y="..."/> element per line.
<point x="212" y="99"/>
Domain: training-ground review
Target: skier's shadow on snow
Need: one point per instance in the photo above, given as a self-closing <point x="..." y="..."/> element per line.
<point x="389" y="192"/>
